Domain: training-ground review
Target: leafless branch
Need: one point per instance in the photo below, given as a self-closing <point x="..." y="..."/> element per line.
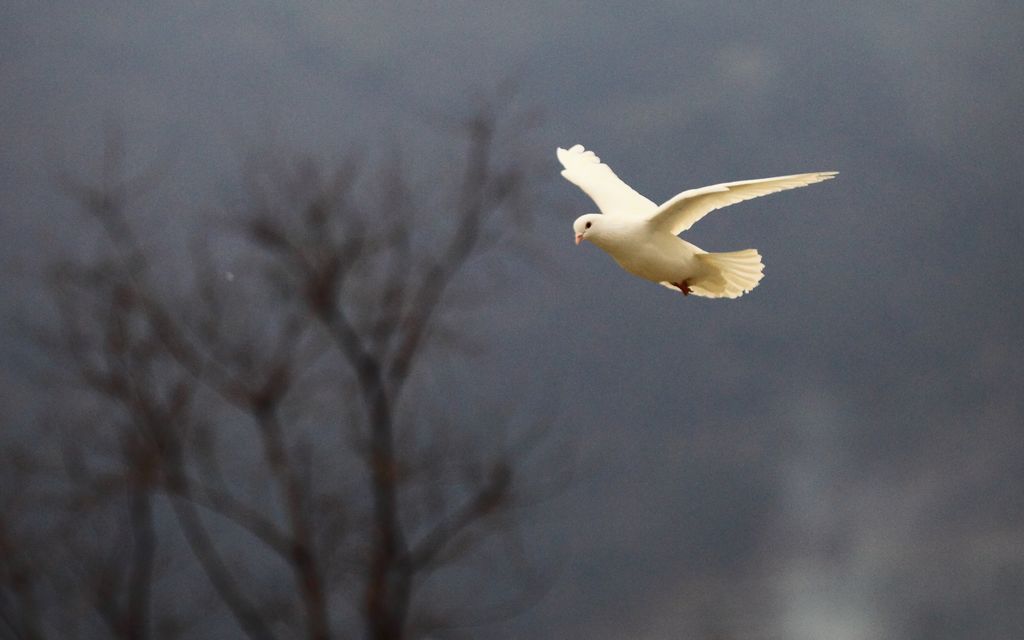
<point x="349" y="300"/>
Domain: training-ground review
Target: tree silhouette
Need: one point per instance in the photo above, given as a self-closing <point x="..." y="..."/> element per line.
<point x="269" y="417"/>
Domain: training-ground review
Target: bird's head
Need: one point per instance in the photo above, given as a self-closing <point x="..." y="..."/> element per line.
<point x="586" y="225"/>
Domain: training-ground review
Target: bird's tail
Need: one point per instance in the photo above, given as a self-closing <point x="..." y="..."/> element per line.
<point x="728" y="275"/>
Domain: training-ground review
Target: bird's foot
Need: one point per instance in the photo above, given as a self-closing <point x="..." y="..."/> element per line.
<point x="684" y="286"/>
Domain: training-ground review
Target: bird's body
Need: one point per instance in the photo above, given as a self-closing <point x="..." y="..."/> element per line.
<point x="643" y="237"/>
<point x="654" y="256"/>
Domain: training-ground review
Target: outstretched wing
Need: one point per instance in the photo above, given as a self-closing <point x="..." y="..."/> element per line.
<point x="682" y="211"/>
<point x="612" y="196"/>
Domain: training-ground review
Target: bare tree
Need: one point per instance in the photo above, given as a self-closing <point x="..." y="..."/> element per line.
<point x="275" y="409"/>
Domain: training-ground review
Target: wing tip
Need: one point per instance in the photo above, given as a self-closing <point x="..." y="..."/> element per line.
<point x="576" y="154"/>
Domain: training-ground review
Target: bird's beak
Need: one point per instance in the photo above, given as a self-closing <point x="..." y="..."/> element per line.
<point x="579" y="238"/>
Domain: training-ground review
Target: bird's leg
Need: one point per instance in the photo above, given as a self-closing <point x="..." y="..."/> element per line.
<point x="684" y="286"/>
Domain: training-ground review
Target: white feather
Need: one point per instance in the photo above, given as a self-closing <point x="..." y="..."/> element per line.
<point x="681" y="212"/>
<point x="612" y="196"/>
<point x="643" y="238"/>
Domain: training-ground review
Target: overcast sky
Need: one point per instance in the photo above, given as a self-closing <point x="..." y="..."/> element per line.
<point x="836" y="455"/>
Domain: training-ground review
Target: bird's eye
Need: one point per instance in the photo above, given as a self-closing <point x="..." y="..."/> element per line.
<point x="587" y="225"/>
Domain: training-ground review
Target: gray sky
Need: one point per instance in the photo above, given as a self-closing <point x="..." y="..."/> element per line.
<point x="836" y="455"/>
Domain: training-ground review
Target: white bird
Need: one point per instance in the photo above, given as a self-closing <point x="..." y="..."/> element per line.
<point x="644" y="237"/>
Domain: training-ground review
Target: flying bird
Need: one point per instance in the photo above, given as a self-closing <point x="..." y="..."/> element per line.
<point x="644" y="237"/>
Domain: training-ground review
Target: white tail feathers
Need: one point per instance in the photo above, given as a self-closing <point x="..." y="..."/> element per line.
<point x="728" y="275"/>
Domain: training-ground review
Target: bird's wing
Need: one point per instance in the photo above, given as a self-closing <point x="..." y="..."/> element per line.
<point x="612" y="196"/>
<point x="681" y="212"/>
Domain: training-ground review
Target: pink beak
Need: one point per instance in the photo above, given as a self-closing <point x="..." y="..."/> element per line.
<point x="579" y="238"/>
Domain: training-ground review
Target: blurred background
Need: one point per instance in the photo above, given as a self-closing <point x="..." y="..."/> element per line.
<point x="297" y="344"/>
